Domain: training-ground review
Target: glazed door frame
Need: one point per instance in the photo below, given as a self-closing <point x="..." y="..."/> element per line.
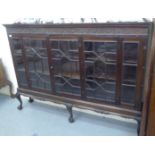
<point x="24" y="38"/>
<point x="15" y="61"/>
<point x="140" y="70"/>
<point x="36" y="51"/>
<point x="91" y="65"/>
<point x="64" y="55"/>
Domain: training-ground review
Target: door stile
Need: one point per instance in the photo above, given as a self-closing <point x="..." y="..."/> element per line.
<point x="140" y="75"/>
<point x="82" y="68"/>
<point x="26" y="64"/>
<point x="50" y="63"/>
<point x="119" y="71"/>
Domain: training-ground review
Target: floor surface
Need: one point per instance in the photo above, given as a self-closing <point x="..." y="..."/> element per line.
<point x="38" y="119"/>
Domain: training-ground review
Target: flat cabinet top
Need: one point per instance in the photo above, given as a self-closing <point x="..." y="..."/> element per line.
<point x="138" y="29"/>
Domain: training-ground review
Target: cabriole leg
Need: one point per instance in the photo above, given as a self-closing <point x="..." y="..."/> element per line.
<point x="69" y="109"/>
<point x="18" y="96"/>
<point x="138" y="128"/>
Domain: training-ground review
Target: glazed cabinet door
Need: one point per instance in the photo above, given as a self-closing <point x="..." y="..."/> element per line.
<point x="19" y="60"/>
<point x="100" y="66"/>
<point x="133" y="67"/>
<point x="64" y="66"/>
<point x="36" y="54"/>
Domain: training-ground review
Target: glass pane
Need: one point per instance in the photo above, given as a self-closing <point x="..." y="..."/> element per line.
<point x="129" y="71"/>
<point x="35" y="43"/>
<point x="128" y="94"/>
<point x="73" y="45"/>
<point x="102" y="47"/>
<point x="19" y="61"/>
<point x="111" y="71"/>
<point x="100" y="89"/>
<point x="104" y="51"/>
<point x="40" y="81"/>
<point x="129" y="74"/>
<point x="65" y="57"/>
<point x="100" y="69"/>
<point x="37" y="58"/>
<point x="17" y="44"/>
<point x="89" y="46"/>
<point x="55" y="45"/>
<point x="130" y="52"/>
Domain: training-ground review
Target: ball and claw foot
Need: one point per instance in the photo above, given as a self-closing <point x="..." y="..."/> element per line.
<point x="31" y="100"/>
<point x="20" y="107"/>
<point x="138" y="128"/>
<point x="69" y="109"/>
<point x="71" y="120"/>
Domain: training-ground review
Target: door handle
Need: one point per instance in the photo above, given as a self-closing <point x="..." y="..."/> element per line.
<point x="51" y="67"/>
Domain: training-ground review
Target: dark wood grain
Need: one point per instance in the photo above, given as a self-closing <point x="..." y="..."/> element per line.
<point x="148" y="79"/>
<point x="140" y="75"/>
<point x="119" y="71"/>
<point x="13" y="58"/>
<point x="85" y="25"/>
<point x="151" y="110"/>
<point x="82" y="68"/>
<point x="50" y="62"/>
<point x="26" y="63"/>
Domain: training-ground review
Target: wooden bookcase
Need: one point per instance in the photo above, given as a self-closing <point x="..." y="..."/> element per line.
<point x="95" y="66"/>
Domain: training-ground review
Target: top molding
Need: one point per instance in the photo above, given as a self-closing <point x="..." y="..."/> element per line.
<point x="83" y="25"/>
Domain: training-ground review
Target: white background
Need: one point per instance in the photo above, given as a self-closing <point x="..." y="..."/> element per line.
<point x="108" y="9"/>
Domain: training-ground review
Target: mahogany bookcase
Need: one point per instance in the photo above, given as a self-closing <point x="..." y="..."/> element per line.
<point x="100" y="67"/>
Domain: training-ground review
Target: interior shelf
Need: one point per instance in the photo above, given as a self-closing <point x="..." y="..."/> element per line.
<point x="128" y="85"/>
<point x="100" y="52"/>
<point x="129" y="81"/>
<point x="130" y="64"/>
<point x="102" y="77"/>
<point x="70" y="59"/>
<point x="104" y="62"/>
<point x="18" y="52"/>
<point x="21" y="70"/>
<point x="67" y="75"/>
